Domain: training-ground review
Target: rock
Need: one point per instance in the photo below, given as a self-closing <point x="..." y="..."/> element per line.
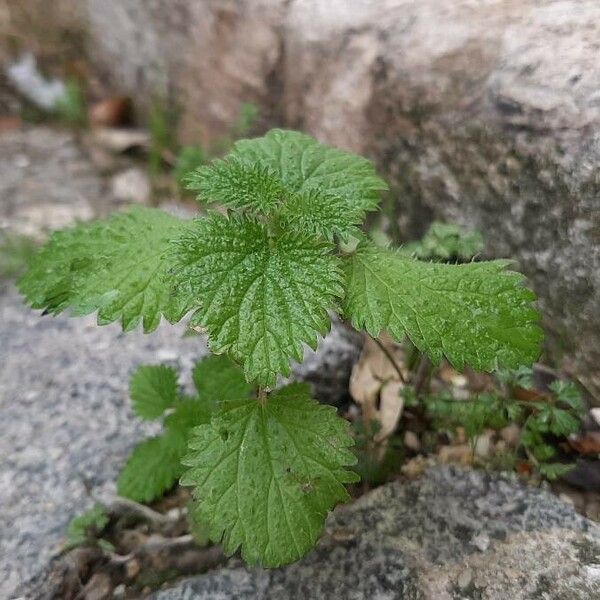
<point x="484" y="445"/>
<point x="511" y="434"/>
<point x="46" y="182"/>
<point x="120" y="140"/>
<point x="66" y="425"/>
<point x="411" y="441"/>
<point x="132" y="185"/>
<point x="99" y="587"/>
<point x="54" y="33"/>
<point x="451" y="532"/>
<point x="214" y="55"/>
<point x="45" y="94"/>
<point x="328" y="368"/>
<point x="489" y="118"/>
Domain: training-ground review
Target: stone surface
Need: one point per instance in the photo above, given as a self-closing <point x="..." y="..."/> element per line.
<point x="483" y="113"/>
<point x="46" y="182"/>
<point x="132" y="185"/>
<point x="328" y="368"/>
<point x="207" y="57"/>
<point x="53" y="32"/>
<point x="66" y="426"/>
<point x="451" y="535"/>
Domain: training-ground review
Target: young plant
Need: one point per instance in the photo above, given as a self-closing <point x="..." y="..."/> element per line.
<point x="261" y="280"/>
<point x="558" y="414"/>
<point x="155" y="466"/>
<point x="445" y="242"/>
<point x="86" y="529"/>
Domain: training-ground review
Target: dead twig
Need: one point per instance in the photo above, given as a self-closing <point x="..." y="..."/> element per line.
<point x="124" y="508"/>
<point x="162" y="554"/>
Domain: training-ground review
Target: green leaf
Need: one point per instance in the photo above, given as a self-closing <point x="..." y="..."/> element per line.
<point x="321" y="214"/>
<point x="217" y="378"/>
<point x="266" y="475"/>
<point x="153" y="468"/>
<point x="188" y="413"/>
<point x="153" y="389"/>
<point x="568" y="393"/>
<point x="532" y="438"/>
<point x="260" y="295"/>
<point x="446" y="242"/>
<point x="523" y="377"/>
<point x="106" y="546"/>
<point x="87" y="526"/>
<point x="303" y="164"/>
<point x="199" y="529"/>
<point x="155" y="465"/>
<point x="563" y="422"/>
<point x="118" y="266"/>
<point x="238" y="185"/>
<point x="553" y="471"/>
<point x="317" y="189"/>
<point x="476" y="314"/>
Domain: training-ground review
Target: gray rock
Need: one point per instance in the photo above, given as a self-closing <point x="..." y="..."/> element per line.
<point x="46" y="182"/>
<point x="66" y="426"/>
<point x="219" y="49"/>
<point x="425" y="540"/>
<point x="482" y="113"/>
<point x="328" y="368"/>
<point x="131" y="185"/>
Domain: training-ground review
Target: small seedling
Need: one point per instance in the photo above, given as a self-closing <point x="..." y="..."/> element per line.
<point x="261" y="280"/>
<point x="161" y="123"/>
<point x="559" y="415"/>
<point x="445" y="242"/>
<point x="87" y="528"/>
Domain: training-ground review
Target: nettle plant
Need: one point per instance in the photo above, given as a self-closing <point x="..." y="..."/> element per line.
<point x="261" y="273"/>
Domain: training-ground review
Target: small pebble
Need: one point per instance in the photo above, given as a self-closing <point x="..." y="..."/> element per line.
<point x="132" y="568"/>
<point x="481" y="542"/>
<point x="411" y="441"/>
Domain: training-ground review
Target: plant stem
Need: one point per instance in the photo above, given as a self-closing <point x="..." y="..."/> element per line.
<point x="421" y="375"/>
<point x="391" y="358"/>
